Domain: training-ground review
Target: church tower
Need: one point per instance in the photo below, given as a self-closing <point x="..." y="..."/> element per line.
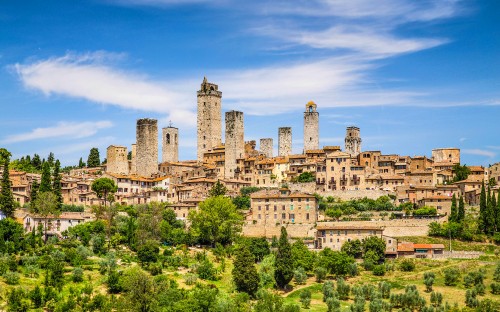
<point x="352" y="141"/>
<point x="170" y="144"/>
<point x="209" y="117"/>
<point x="311" y="127"/>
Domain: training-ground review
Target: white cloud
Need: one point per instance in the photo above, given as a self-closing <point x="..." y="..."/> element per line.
<point x="62" y="129"/>
<point x="479" y="152"/>
<point x="89" y="76"/>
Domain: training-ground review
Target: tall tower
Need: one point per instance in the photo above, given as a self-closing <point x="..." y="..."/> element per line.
<point x="266" y="147"/>
<point x="311" y="127"/>
<point x="117" y="161"/>
<point x="170" y="144"/>
<point x="147" y="147"/>
<point x="235" y="143"/>
<point x="133" y="160"/>
<point x="352" y="141"/>
<point x="209" y="117"/>
<point x="284" y="141"/>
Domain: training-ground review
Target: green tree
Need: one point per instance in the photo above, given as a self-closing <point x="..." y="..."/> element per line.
<point x="283" y="270"/>
<point x="11" y="236"/>
<point x="305" y="298"/>
<point x="335" y="213"/>
<point x="56" y="183"/>
<point x="302" y="256"/>
<point x="461" y="209"/>
<point x="81" y="164"/>
<point x="305" y="177"/>
<point x="148" y="252"/>
<point x="353" y="248"/>
<point x="36" y="162"/>
<point x="453" y="217"/>
<point x="46" y="206"/>
<point x="6" y="197"/>
<point x="490" y="225"/>
<point x="242" y="202"/>
<point x="35" y="186"/>
<point x="45" y="184"/>
<point x="93" y="160"/>
<point x="139" y="290"/>
<point x="483" y="219"/>
<point x="216" y="221"/>
<point x="376" y="245"/>
<point x="244" y="273"/>
<point x="335" y="262"/>
<point x="105" y="189"/>
<point x="461" y="172"/>
<point x="218" y="189"/>
<point x="451" y="276"/>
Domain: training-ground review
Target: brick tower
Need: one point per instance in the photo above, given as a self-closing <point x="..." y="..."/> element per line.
<point x="209" y="117"/>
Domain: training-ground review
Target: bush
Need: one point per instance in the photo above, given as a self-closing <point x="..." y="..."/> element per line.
<point x="385" y="289"/>
<point x="343" y="289"/>
<point x="495" y="288"/>
<point x="11" y="278"/>
<point x="305" y="298"/>
<point x="451" y="276"/>
<point x="155" y="269"/>
<point x="206" y="270"/>
<point x="148" y="252"/>
<point x="379" y="270"/>
<point x="328" y="290"/>
<point x="190" y="279"/>
<point x="300" y="276"/>
<point x="333" y="304"/>
<point x="407" y="265"/>
<point x="77" y="275"/>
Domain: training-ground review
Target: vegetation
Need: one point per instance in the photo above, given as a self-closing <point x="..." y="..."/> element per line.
<point x="93" y="160"/>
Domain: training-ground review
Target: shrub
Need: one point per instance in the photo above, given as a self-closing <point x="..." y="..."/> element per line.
<point x="77" y="275"/>
<point x="155" y="269"/>
<point x="320" y="274"/>
<point x="407" y="265"/>
<point x="451" y="276"/>
<point x="148" y="252"/>
<point x="11" y="278"/>
<point x="385" y="289"/>
<point x="428" y="281"/>
<point x="328" y="290"/>
<point x="495" y="288"/>
<point x="343" y="289"/>
<point x="379" y="270"/>
<point x="206" y="270"/>
<point x="300" y="276"/>
<point x="470" y="298"/>
<point x="333" y="304"/>
<point x="305" y="298"/>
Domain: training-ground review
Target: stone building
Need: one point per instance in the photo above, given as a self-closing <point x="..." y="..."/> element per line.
<point x="352" y="141"/>
<point x="133" y="163"/>
<point x="266" y="147"/>
<point x="147" y="147"/>
<point x="494" y="172"/>
<point x="281" y="206"/>
<point x="117" y="161"/>
<point x="209" y="117"/>
<point x="284" y="141"/>
<point x="170" y="144"/>
<point x="235" y="142"/>
<point x="446" y="157"/>
<point x="311" y="127"/>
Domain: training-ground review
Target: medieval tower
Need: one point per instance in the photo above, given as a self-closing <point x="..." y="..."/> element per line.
<point x="266" y="147"/>
<point x="209" y="117"/>
<point x="284" y="141"/>
<point x="352" y="141"/>
<point x="170" y="144"/>
<point x="311" y="127"/>
<point x="133" y="163"/>
<point x="235" y="143"/>
<point x="147" y="147"/>
<point x="117" y="161"/>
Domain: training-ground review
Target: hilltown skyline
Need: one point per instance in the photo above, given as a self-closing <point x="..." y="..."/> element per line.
<point x="413" y="77"/>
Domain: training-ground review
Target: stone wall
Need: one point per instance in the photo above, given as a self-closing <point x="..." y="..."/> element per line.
<point x="352" y="141"/>
<point x="284" y="141"/>
<point x="117" y="161"/>
<point x="235" y="142"/>
<point x="311" y="128"/>
<point x="133" y="161"/>
<point x="293" y="230"/>
<point x="266" y="147"/>
<point x="451" y="155"/>
<point x="170" y="144"/>
<point x="209" y="118"/>
<point x="343" y="195"/>
<point x="147" y="147"/>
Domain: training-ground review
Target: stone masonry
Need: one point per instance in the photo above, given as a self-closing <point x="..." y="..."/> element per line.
<point x="209" y="118"/>
<point x="133" y="160"/>
<point x="234" y="144"/>
<point x="352" y="141"/>
<point x="170" y="144"/>
<point x="266" y="147"/>
<point x="284" y="141"/>
<point x="147" y="147"/>
<point x="117" y="161"/>
<point x="311" y="127"/>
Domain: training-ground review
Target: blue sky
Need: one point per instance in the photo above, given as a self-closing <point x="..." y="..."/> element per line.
<point x="413" y="75"/>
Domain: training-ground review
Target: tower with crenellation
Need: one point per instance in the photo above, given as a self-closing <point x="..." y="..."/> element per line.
<point x="311" y="127"/>
<point x="209" y="118"/>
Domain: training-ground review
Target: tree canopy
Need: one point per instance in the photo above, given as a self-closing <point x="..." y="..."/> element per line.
<point x="93" y="160"/>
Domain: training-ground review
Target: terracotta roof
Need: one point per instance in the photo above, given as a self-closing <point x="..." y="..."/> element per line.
<point x="422" y="246"/>
<point x="318" y="151"/>
<point x="406" y="246"/>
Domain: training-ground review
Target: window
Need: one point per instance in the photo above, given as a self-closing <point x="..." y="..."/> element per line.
<point x="283" y="216"/>
<point x="168" y="138"/>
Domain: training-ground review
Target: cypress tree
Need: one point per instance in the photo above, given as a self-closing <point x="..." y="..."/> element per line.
<point x="244" y="273"/>
<point x="498" y="212"/>
<point x="6" y="198"/>
<point x="283" y="266"/>
<point x="45" y="185"/>
<point x="56" y="184"/>
<point x="81" y="164"/>
<point x="461" y="209"/>
<point x="494" y="210"/>
<point x="453" y="217"/>
<point x="482" y="210"/>
<point x="35" y="186"/>
<point x="93" y="160"/>
<point x="490" y="214"/>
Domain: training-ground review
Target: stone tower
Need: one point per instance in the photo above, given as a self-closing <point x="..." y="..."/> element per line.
<point x="235" y="143"/>
<point x="117" y="161"/>
<point x="266" y="147"/>
<point x="133" y="163"/>
<point x="209" y="117"/>
<point x="352" y="141"/>
<point x="147" y="147"/>
<point x="311" y="127"/>
<point x="170" y="144"/>
<point x="284" y="141"/>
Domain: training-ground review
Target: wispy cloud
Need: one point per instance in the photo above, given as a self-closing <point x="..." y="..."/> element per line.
<point x="479" y="152"/>
<point x="62" y="129"/>
<point x="91" y="76"/>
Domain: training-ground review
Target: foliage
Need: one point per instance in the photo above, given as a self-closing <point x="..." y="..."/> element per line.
<point x="376" y="245"/>
<point x="460" y="172"/>
<point x="379" y="270"/>
<point x="11" y="278"/>
<point x="6" y="197"/>
<point x="407" y="265"/>
<point x="429" y="281"/>
<point x="335" y="262"/>
<point x="425" y="211"/>
<point x="242" y="202"/>
<point x="77" y="275"/>
<point x="410" y="299"/>
<point x="300" y="276"/>
<point x="328" y="290"/>
<point x="216" y="221"/>
<point x="266" y="271"/>
<point x="451" y="276"/>
<point x="353" y="248"/>
<point x="258" y="247"/>
<point x="305" y="177"/>
<point x="244" y="273"/>
<point x="302" y="256"/>
<point x="470" y="298"/>
<point x="283" y="269"/>
<point x="320" y="274"/>
<point x="148" y="252"/>
<point x="343" y="289"/>
<point x="11" y="236"/>
<point x="93" y="159"/>
<point x="305" y="298"/>
<point x="454" y="213"/>
<point x="206" y="270"/>
<point x="218" y="189"/>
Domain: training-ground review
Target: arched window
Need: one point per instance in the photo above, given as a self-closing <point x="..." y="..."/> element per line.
<point x="168" y="138"/>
